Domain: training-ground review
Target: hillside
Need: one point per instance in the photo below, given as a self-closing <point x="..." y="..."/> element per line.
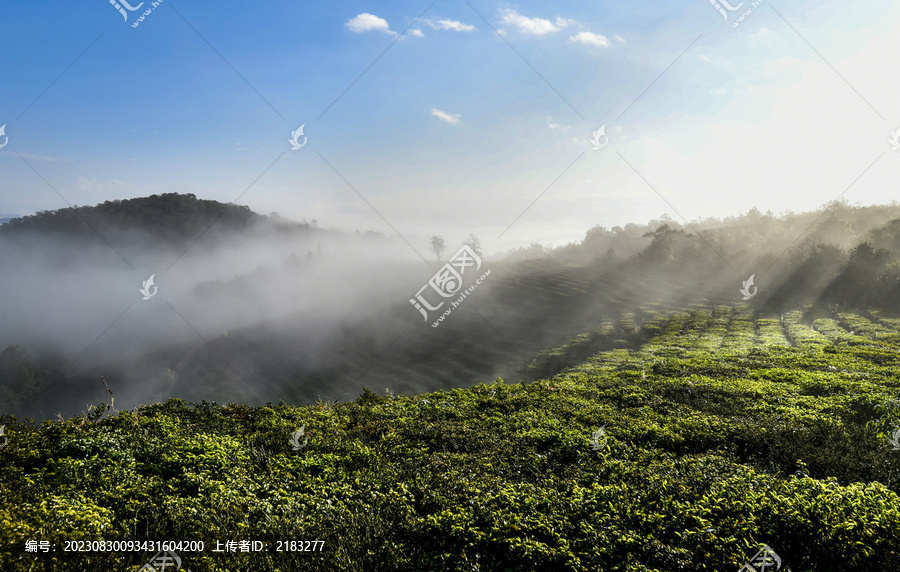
<point x="171" y="217"/>
<point x="243" y="318"/>
<point x="727" y="430"/>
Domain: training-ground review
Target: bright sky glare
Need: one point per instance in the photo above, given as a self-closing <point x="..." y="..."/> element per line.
<point x="453" y="118"/>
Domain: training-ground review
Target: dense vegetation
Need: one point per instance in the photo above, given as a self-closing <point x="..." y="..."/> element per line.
<point x="726" y="430"/>
<point x="839" y="254"/>
<point x="173" y="217"/>
<point x="526" y="307"/>
<point x="753" y="237"/>
<point x="725" y="426"/>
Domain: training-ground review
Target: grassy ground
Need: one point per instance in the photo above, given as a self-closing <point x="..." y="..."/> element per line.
<point x="724" y="431"/>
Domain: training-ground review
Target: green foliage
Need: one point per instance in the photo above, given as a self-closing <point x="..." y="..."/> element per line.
<point x="22" y="379"/>
<point x="172" y="217"/>
<point x="724" y="431"/>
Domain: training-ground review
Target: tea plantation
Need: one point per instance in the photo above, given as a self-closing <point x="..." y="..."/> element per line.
<point x="723" y="430"/>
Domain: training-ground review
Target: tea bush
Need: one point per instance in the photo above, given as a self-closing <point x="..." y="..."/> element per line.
<point x="724" y="431"/>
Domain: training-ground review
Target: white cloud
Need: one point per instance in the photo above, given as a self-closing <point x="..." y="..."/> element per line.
<point x="417" y="33"/>
<point x="453" y="25"/>
<point x="443" y="115"/>
<point x="762" y="34"/>
<point x="619" y="38"/>
<point x="85" y="184"/>
<point x="591" y="39"/>
<point x="32" y="156"/>
<point x="554" y="125"/>
<point x="366" y="22"/>
<point x="535" y="26"/>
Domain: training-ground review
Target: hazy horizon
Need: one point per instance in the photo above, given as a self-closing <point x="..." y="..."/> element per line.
<point x="514" y="123"/>
<point x="457" y="119"/>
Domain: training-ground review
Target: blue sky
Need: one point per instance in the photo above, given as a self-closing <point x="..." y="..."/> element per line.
<point x="453" y="118"/>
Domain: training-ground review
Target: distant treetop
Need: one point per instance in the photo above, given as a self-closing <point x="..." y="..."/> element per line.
<point x="172" y="216"/>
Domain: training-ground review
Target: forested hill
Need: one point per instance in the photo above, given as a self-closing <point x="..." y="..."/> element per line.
<point x="171" y="218"/>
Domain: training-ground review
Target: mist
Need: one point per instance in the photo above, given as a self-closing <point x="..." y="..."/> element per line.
<point x="77" y="301"/>
<point x="255" y="309"/>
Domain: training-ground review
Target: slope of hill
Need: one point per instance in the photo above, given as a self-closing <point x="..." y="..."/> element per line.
<point x="308" y="327"/>
<point x="524" y="308"/>
<point x="131" y="233"/>
<point x="170" y="215"/>
<point x="726" y="431"/>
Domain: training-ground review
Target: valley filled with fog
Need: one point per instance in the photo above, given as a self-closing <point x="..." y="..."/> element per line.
<point x="252" y="308"/>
